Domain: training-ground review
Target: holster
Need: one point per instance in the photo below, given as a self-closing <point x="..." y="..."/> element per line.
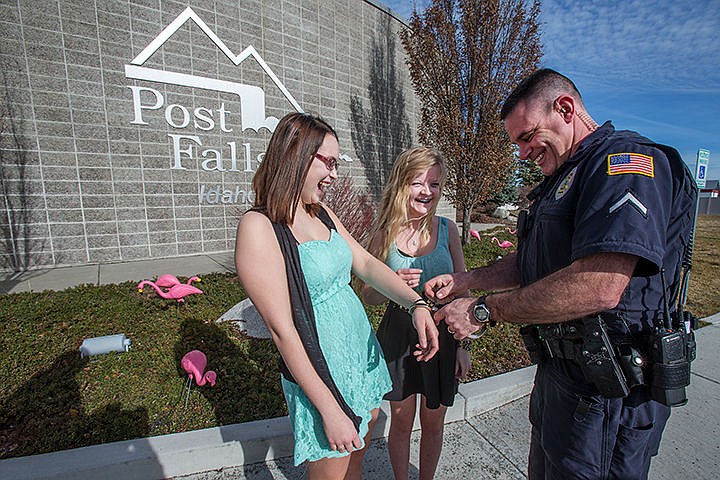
<point x="584" y="341"/>
<point x="599" y="361"/>
<point x="531" y="338"/>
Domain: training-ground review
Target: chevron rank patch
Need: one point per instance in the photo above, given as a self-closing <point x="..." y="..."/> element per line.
<point x="629" y="199"/>
<point x="637" y="163"/>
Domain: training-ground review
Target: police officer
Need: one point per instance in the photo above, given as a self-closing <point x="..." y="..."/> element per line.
<point x="613" y="210"/>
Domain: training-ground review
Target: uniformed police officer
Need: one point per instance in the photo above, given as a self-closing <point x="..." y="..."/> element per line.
<point x="613" y="211"/>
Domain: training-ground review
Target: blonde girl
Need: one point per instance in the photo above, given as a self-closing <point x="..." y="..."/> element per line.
<point x="418" y="245"/>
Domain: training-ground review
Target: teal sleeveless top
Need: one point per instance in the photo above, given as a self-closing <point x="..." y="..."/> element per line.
<point x="435" y="263"/>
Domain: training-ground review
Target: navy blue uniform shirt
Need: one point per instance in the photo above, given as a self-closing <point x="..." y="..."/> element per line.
<point x="618" y="193"/>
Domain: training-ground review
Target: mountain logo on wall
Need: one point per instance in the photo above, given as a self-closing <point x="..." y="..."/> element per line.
<point x="252" y="98"/>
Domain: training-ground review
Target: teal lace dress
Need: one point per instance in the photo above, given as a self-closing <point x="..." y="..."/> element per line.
<point x="348" y="342"/>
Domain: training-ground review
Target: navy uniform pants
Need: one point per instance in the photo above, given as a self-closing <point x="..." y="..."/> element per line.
<point x="581" y="436"/>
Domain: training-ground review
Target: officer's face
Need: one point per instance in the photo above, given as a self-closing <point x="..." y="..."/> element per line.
<point x="542" y="136"/>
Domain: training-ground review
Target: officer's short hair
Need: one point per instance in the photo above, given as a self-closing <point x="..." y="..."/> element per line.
<point x="544" y="84"/>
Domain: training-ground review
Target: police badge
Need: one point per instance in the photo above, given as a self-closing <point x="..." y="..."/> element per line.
<point x="565" y="184"/>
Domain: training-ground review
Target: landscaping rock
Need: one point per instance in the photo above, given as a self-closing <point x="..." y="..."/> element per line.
<point x="246" y="317"/>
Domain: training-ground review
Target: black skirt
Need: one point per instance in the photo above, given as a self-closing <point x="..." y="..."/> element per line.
<point x="435" y="378"/>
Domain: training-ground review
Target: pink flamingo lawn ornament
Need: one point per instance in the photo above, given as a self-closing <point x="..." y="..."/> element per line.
<point x="194" y="363"/>
<point x="512" y="232"/>
<point x="504" y="244"/>
<point x="176" y="292"/>
<point x="168" y="280"/>
<point x="474" y="233"/>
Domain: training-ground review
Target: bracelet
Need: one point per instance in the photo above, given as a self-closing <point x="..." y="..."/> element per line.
<point x="419" y="303"/>
<point x="425" y="306"/>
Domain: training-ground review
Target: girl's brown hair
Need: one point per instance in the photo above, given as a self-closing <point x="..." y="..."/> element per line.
<point x="279" y="180"/>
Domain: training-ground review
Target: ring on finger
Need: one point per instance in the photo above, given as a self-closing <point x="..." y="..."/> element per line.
<point x="450" y="331"/>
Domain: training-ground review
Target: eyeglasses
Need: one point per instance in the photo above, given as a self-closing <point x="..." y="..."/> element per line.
<point x="330" y="163"/>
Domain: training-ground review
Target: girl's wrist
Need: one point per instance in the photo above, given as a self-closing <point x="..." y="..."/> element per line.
<point x="419" y="303"/>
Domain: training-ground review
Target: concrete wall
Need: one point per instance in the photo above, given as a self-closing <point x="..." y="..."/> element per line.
<point x="132" y="129"/>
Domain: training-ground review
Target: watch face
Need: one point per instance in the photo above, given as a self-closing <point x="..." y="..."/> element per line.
<point x="481" y="312"/>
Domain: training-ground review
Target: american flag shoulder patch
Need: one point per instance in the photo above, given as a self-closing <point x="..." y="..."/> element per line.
<point x="637" y="163"/>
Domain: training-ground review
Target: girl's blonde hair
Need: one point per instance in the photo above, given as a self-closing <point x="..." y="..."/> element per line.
<point x="395" y="198"/>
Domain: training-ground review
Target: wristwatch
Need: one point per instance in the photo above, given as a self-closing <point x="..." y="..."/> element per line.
<point x="482" y="313"/>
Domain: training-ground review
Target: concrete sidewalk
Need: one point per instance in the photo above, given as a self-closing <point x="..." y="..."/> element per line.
<point x="263" y="449"/>
<point x="106" y="273"/>
<point x="494" y="444"/>
<point x="59" y="278"/>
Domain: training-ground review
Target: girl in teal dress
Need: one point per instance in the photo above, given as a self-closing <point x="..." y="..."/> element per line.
<point x="418" y="245"/>
<point x="294" y="259"/>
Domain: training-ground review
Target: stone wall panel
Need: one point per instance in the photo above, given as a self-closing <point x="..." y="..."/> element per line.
<point x="114" y="166"/>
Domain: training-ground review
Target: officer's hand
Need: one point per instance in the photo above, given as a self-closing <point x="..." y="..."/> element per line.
<point x="459" y="317"/>
<point x="445" y="287"/>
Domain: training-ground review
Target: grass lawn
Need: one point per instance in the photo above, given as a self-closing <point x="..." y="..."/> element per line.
<point x="51" y="400"/>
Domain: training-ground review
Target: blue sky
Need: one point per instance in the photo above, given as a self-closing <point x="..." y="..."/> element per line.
<point x="652" y="67"/>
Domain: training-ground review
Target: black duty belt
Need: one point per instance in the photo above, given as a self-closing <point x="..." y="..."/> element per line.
<point x="565" y="340"/>
<point x="586" y="342"/>
<point x="563" y="348"/>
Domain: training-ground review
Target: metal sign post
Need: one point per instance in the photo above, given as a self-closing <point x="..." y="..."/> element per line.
<point x="703" y="159"/>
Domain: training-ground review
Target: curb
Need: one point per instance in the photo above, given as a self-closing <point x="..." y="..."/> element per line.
<point x="713" y="319"/>
<point x="215" y="448"/>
